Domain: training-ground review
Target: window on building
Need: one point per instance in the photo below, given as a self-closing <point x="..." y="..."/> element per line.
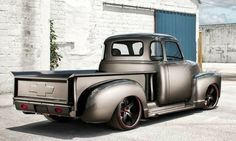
<point x="127" y="48"/>
<point x="156" y="51"/>
<point x="173" y="51"/>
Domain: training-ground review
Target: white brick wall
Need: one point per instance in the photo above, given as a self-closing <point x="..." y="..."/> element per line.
<point x="219" y="44"/>
<point x="88" y="23"/>
<point x="57" y="13"/>
<point x="24" y="38"/>
<point x="81" y="27"/>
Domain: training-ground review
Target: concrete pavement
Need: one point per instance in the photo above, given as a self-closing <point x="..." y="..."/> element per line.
<point x="214" y="125"/>
<point x="6" y="100"/>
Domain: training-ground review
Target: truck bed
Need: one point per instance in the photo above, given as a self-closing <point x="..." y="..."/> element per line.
<point x="43" y="91"/>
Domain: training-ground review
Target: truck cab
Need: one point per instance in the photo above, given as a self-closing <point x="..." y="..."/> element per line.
<point x="157" y="53"/>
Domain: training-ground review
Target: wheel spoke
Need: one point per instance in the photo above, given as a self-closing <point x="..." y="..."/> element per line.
<point x="212" y="99"/>
<point x="130" y="105"/>
<point x="211" y="91"/>
<point x="124" y="118"/>
<point x="209" y="100"/>
<point x="129" y="115"/>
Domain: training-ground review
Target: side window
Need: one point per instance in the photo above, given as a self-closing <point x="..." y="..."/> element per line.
<point x="172" y="51"/>
<point x="156" y="51"/>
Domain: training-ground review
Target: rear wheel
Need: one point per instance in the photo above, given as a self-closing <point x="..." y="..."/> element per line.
<point x="212" y="97"/>
<point x="127" y="114"/>
<point x="57" y="118"/>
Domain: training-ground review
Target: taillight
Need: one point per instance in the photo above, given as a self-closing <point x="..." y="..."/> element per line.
<point x="58" y="110"/>
<point x="24" y="106"/>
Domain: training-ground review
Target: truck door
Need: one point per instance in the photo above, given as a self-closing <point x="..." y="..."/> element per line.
<point x="179" y="76"/>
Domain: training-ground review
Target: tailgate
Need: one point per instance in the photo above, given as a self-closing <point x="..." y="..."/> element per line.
<point x="51" y="87"/>
<point x="43" y="95"/>
<point x="42" y="90"/>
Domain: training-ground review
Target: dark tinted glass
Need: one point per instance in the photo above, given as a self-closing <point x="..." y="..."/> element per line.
<point x="173" y="51"/>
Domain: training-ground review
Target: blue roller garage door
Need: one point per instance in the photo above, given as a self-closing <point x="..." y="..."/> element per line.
<point x="180" y="25"/>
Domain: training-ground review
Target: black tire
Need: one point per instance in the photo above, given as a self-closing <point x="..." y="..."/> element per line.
<point x="127" y="114"/>
<point x="57" y="118"/>
<point x="211" y="97"/>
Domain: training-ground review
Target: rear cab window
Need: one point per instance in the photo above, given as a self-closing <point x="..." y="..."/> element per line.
<point x="127" y="48"/>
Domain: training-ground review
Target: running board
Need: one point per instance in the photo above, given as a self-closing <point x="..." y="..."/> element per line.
<point x="154" y="110"/>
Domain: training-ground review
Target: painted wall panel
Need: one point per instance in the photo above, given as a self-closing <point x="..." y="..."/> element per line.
<point x="180" y="25"/>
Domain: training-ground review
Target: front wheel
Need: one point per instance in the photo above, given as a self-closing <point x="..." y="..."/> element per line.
<point x="127" y="114"/>
<point x="212" y="97"/>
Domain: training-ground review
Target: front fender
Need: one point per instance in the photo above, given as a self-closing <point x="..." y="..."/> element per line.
<point x="103" y="100"/>
<point x="203" y="81"/>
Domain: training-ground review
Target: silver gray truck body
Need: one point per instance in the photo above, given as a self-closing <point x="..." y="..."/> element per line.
<point x="161" y="84"/>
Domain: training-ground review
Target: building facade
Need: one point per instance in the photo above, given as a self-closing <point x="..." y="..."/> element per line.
<point x="81" y="28"/>
<point x="24" y="38"/>
<point x="218" y="43"/>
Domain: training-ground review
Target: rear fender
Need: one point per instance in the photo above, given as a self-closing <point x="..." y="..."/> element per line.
<point x="203" y="81"/>
<point x="103" y="99"/>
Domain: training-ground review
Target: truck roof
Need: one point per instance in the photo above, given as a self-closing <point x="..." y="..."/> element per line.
<point x="141" y="36"/>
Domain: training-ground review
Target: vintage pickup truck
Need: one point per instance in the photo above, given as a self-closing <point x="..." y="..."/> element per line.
<point x="140" y="76"/>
